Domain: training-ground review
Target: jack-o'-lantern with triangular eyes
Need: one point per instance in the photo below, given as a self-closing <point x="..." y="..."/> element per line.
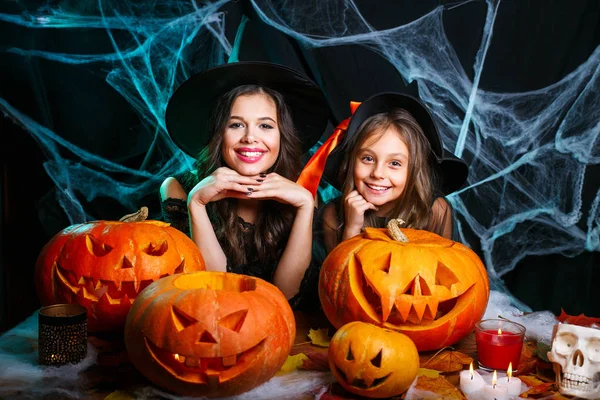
<point x="209" y="333"/>
<point x="430" y="288"/>
<point x="104" y="265"/>
<point x="371" y="361"/>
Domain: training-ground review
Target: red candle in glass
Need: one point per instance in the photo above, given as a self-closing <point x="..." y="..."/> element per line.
<point x="499" y="343"/>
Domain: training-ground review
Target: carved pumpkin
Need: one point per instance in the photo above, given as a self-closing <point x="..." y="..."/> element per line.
<point x="371" y="361"/>
<point x="209" y="333"/>
<point x="103" y="265"/>
<point x="430" y="288"/>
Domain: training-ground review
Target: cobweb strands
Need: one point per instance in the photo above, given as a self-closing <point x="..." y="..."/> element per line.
<point x="528" y="152"/>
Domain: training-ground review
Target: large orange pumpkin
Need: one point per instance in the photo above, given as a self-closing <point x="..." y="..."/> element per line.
<point x="209" y="333"/>
<point x="430" y="288"/>
<point x="103" y="265"/>
<point x="371" y="361"/>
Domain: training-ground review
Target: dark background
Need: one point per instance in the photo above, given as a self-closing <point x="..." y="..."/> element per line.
<point x="540" y="42"/>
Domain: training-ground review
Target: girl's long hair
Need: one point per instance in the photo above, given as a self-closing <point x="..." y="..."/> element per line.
<point x="414" y="204"/>
<point x="274" y="220"/>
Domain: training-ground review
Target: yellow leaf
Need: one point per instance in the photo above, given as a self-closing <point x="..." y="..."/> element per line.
<point x="430" y="373"/>
<point x="319" y="337"/>
<point x="119" y="395"/>
<point x="292" y="363"/>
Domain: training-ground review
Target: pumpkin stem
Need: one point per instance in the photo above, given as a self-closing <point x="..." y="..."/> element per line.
<point x="393" y="226"/>
<point x="137" y="216"/>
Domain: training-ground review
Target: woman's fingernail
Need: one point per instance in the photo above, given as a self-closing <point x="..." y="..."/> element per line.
<point x="248" y="193"/>
<point x="250" y="190"/>
<point x="260" y="180"/>
<point x="262" y="175"/>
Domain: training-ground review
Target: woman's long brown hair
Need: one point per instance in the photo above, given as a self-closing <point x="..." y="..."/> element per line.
<point x="274" y="220"/>
<point x="414" y="204"/>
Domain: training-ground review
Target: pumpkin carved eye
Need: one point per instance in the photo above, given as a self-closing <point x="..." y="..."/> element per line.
<point x="97" y="247"/>
<point x="376" y="361"/>
<point x="234" y="321"/>
<point x="181" y="319"/>
<point x="350" y="356"/>
<point x="444" y="276"/>
<point x="157" y="249"/>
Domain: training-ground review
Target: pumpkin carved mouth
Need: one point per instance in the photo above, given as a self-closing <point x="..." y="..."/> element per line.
<point x="419" y="302"/>
<point x="210" y="370"/>
<point x="94" y="290"/>
<point x="361" y="383"/>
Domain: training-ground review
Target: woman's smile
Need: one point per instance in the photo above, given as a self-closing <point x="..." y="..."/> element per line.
<point x="252" y="139"/>
<point x="250" y="155"/>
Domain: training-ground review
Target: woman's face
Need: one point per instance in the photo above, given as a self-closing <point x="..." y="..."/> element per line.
<point x="251" y="139"/>
<point x="381" y="169"/>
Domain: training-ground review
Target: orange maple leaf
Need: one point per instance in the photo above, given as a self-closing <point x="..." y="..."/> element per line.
<point x="440" y="386"/>
<point x="448" y="361"/>
<point x="580" y="319"/>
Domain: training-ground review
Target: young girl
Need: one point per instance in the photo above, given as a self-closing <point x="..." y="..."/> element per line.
<point x="393" y="164"/>
<point x="242" y="206"/>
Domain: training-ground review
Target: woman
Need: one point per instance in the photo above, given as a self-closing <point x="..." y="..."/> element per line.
<point x="245" y="211"/>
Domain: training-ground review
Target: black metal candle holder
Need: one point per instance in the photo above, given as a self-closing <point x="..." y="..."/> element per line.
<point x="62" y="334"/>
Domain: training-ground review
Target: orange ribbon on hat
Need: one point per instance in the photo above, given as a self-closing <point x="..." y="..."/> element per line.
<point x="313" y="170"/>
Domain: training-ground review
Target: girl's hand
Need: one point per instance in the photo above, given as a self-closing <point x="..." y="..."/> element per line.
<point x="222" y="183"/>
<point x="355" y="207"/>
<point x="276" y="187"/>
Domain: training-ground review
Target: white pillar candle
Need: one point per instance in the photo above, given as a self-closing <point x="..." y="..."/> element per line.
<point x="471" y="381"/>
<point x="494" y="391"/>
<point x="512" y="384"/>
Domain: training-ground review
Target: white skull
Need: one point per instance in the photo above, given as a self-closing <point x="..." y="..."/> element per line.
<point x="576" y="358"/>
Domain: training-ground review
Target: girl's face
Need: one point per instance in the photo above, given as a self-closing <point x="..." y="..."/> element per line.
<point x="251" y="140"/>
<point x="381" y="169"/>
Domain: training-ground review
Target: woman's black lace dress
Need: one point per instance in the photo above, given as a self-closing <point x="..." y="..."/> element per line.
<point x="174" y="211"/>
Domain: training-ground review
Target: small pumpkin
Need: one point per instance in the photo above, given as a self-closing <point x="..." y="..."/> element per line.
<point x="430" y="288"/>
<point x="371" y="361"/>
<point x="209" y="333"/>
<point x="104" y="265"/>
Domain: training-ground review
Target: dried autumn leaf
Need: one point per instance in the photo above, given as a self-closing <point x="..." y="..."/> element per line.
<point x="580" y="319"/>
<point x="319" y="337"/>
<point x="448" y="361"/>
<point x="292" y="363"/>
<point x="440" y="386"/>
<point x="530" y="360"/>
<point x="430" y="373"/>
<point x="316" y="361"/>
<point x="543" y="387"/>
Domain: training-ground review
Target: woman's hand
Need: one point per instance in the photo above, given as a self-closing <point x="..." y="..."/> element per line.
<point x="223" y="182"/>
<point x="355" y="207"/>
<point x="276" y="187"/>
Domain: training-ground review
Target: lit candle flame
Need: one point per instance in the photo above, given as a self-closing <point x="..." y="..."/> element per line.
<point x="499" y="331"/>
<point x="471" y="370"/>
<point x="176" y="356"/>
<point x="509" y="372"/>
<point x="494" y="379"/>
